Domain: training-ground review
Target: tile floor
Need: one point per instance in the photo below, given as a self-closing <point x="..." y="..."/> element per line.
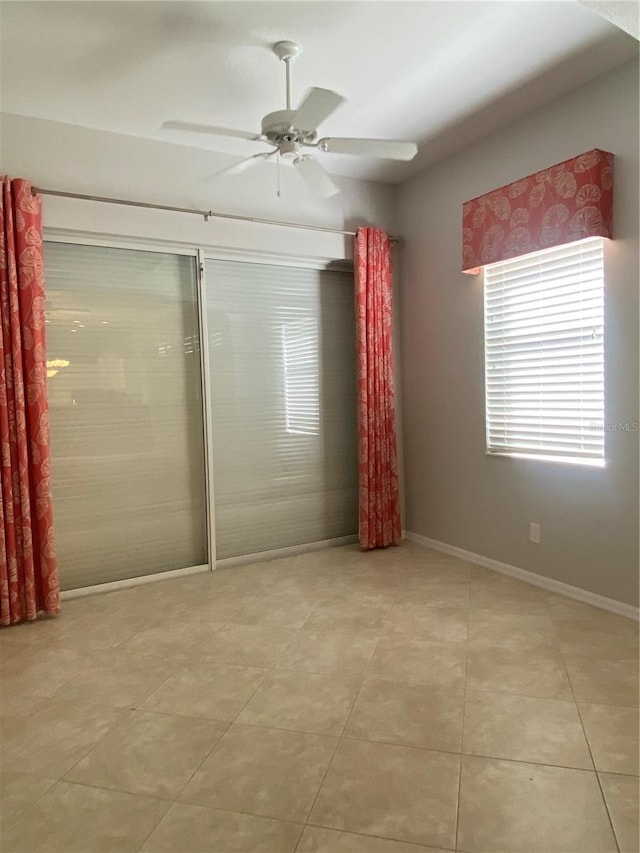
<point x="394" y="702"/>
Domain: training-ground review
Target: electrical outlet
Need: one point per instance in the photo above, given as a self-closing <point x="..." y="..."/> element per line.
<point x="534" y="533"/>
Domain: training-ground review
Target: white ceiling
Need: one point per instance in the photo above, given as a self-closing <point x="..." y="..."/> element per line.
<point x="442" y="73"/>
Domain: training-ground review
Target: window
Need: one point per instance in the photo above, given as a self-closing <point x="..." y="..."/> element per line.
<point x="544" y="354"/>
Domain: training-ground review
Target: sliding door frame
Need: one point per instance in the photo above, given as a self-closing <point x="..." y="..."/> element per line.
<point x="342" y="265"/>
<point x="83" y="239"/>
<point x="207" y="414"/>
<point x="200" y="253"/>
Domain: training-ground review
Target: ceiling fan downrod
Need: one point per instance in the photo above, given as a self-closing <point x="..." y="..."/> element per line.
<point x="287" y="51"/>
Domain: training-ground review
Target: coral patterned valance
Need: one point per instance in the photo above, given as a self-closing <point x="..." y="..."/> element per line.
<point x="567" y="202"/>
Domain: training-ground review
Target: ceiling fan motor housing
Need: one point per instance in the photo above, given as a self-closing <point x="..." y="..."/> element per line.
<point x="278" y="127"/>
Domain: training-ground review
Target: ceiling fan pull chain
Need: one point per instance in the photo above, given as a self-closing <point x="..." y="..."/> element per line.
<point x="278" y="173"/>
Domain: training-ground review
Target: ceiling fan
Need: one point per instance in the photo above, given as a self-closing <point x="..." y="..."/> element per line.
<point x="290" y="132"/>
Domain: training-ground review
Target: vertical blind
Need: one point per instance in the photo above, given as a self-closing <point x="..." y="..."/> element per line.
<point x="282" y="356"/>
<point x="544" y="353"/>
<point x="126" y="412"/>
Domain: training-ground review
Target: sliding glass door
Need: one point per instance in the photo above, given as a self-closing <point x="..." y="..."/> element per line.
<point x="283" y="402"/>
<point x="129" y="467"/>
<point x="126" y="412"/>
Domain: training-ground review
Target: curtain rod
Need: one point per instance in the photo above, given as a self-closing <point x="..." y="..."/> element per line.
<point x="206" y="214"/>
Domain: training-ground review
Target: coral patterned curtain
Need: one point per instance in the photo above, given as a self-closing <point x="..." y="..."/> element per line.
<point x="28" y="573"/>
<point x="379" y="503"/>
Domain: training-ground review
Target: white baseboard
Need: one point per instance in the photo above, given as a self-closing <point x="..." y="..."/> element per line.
<point x="550" y="584"/>
<point x="290" y="551"/>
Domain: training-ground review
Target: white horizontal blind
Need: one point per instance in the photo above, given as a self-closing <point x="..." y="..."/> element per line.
<point x="126" y="413"/>
<point x="544" y="353"/>
<point x="283" y="392"/>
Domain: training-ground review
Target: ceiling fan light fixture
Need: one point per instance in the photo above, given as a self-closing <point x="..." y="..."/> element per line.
<point x="289" y="150"/>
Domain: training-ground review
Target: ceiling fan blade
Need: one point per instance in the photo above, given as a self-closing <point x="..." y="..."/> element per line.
<point x="242" y="165"/>
<point x="390" y="149"/>
<point x="317" y="105"/>
<point x="194" y="127"/>
<point x="315" y="177"/>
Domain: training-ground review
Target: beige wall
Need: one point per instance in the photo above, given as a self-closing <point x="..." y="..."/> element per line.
<point x="454" y="492"/>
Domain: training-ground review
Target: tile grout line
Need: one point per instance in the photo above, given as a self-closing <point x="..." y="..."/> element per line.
<point x="361" y="688"/>
<point x="111" y="729"/>
<point x="230" y="723"/>
<point x="30" y="805"/>
<point x="206" y="757"/>
<point x="342" y="735"/>
<point x="336" y="744"/>
<point x="586" y="737"/>
<point x="378" y="837"/>
<point x="233" y="721"/>
<point x="126" y="792"/>
<point x="99" y="787"/>
<point x="338" y="740"/>
<point x="464" y="702"/>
